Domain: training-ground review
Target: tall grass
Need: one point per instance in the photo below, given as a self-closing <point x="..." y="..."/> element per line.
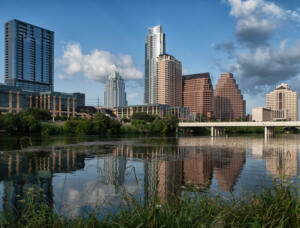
<point x="278" y="206"/>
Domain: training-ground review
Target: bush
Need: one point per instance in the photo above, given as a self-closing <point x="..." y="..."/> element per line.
<point x="51" y="129"/>
<point x="38" y="114"/>
<point x="143" y="116"/>
<point x="70" y="126"/>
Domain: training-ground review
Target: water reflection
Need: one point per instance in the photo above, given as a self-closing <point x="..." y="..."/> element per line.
<point x="75" y="178"/>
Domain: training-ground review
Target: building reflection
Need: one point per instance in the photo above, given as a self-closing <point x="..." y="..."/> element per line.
<point x="115" y="167"/>
<point x="222" y="158"/>
<point x="281" y="156"/>
<point x="22" y="171"/>
<point x="170" y="170"/>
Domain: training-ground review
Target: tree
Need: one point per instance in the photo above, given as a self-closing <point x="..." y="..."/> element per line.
<point x="143" y="116"/>
<point x="41" y="115"/>
<point x="170" y="125"/>
<point x="157" y="126"/>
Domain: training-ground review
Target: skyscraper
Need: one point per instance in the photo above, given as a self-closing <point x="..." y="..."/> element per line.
<point x="155" y="46"/>
<point x="228" y="100"/>
<point x="198" y="93"/>
<point x="29" y="56"/>
<point x="115" y="95"/>
<point x="283" y="102"/>
<point x="169" y="80"/>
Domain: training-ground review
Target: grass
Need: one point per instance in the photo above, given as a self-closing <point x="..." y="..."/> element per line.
<point x="278" y="206"/>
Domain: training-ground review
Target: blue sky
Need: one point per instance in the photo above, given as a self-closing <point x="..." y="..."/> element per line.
<point x="257" y="40"/>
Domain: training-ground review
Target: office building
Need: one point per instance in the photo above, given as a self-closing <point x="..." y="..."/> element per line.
<point x="155" y="46"/>
<point x="29" y="56"/>
<point x="115" y="95"/>
<point x="160" y="110"/>
<point x="198" y="93"/>
<point x="261" y="114"/>
<point x="169" y="77"/>
<point x="13" y="99"/>
<point x="283" y="102"/>
<point x="229" y="104"/>
<point x="80" y="98"/>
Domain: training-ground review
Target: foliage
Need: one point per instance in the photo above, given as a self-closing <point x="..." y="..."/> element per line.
<point x="275" y="207"/>
<point x="19" y="124"/>
<point x="51" y="129"/>
<point x="38" y="114"/>
<point x="100" y="125"/>
<point x="143" y="116"/>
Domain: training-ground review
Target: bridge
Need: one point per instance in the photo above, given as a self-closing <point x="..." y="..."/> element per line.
<point x="217" y="128"/>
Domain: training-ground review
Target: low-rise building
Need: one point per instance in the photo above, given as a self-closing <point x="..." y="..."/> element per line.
<point x="162" y="111"/>
<point x="261" y="114"/>
<point x="15" y="99"/>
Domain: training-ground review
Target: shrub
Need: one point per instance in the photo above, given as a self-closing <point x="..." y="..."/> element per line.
<point x="38" y="114"/>
<point x="51" y="129"/>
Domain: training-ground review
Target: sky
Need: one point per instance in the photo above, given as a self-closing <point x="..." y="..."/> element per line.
<point x="257" y="40"/>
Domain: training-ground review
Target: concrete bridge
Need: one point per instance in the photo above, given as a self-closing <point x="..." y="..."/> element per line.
<point x="217" y="128"/>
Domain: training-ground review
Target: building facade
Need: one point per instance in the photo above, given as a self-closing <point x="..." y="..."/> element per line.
<point x="161" y="110"/>
<point x="115" y="95"/>
<point x="283" y="102"/>
<point x="80" y="98"/>
<point x="228" y="101"/>
<point x="169" y="80"/>
<point x="261" y="114"/>
<point x="198" y="93"/>
<point x="14" y="100"/>
<point x="155" y="46"/>
<point x="29" y="58"/>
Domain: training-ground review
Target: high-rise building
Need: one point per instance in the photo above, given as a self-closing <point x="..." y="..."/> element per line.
<point x="169" y="80"/>
<point x="198" y="93"/>
<point x="115" y="95"/>
<point x="29" y="58"/>
<point x="283" y="102"/>
<point x="228" y="100"/>
<point x="155" y="46"/>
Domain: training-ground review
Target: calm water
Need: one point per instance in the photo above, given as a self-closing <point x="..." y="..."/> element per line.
<point x="79" y="174"/>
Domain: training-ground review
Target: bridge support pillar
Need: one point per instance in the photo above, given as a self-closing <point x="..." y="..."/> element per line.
<point x="269" y="132"/>
<point x="217" y="131"/>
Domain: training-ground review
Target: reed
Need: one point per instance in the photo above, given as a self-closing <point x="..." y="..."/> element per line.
<point x="278" y="206"/>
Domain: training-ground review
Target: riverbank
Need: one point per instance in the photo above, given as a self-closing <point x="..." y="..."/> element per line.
<point x="278" y="206"/>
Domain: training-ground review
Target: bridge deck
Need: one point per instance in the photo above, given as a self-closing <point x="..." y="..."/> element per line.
<point x="241" y="124"/>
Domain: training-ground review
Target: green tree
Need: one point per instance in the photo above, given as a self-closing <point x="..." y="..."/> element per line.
<point x="143" y="116"/>
<point x="170" y="125"/>
<point x="38" y="114"/>
<point x="70" y="126"/>
<point x="157" y="126"/>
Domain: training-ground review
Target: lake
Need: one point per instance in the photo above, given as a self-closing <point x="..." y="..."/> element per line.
<point x="79" y="174"/>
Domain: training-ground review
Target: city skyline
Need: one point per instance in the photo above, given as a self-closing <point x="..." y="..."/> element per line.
<point x="184" y="42"/>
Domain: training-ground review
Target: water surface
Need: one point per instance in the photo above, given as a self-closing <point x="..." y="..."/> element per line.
<point x="78" y="174"/>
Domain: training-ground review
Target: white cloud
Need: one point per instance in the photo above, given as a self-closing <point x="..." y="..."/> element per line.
<point x="97" y="64"/>
<point x="267" y="65"/>
<point x="257" y="19"/>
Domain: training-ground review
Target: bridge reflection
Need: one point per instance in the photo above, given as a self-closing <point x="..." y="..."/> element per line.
<point x="187" y="164"/>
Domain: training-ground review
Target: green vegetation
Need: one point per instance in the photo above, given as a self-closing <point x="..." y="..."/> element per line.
<point x="99" y="125"/>
<point x="275" y="207"/>
<point x="37" y="122"/>
<point x="143" y="123"/>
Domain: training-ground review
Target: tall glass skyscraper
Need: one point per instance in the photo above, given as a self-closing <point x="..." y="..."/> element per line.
<point x="115" y="95"/>
<point x="155" y="46"/>
<point x="29" y="58"/>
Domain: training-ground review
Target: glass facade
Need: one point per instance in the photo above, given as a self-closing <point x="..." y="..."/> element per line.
<point x="114" y="94"/>
<point x="29" y="58"/>
<point x="155" y="46"/>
